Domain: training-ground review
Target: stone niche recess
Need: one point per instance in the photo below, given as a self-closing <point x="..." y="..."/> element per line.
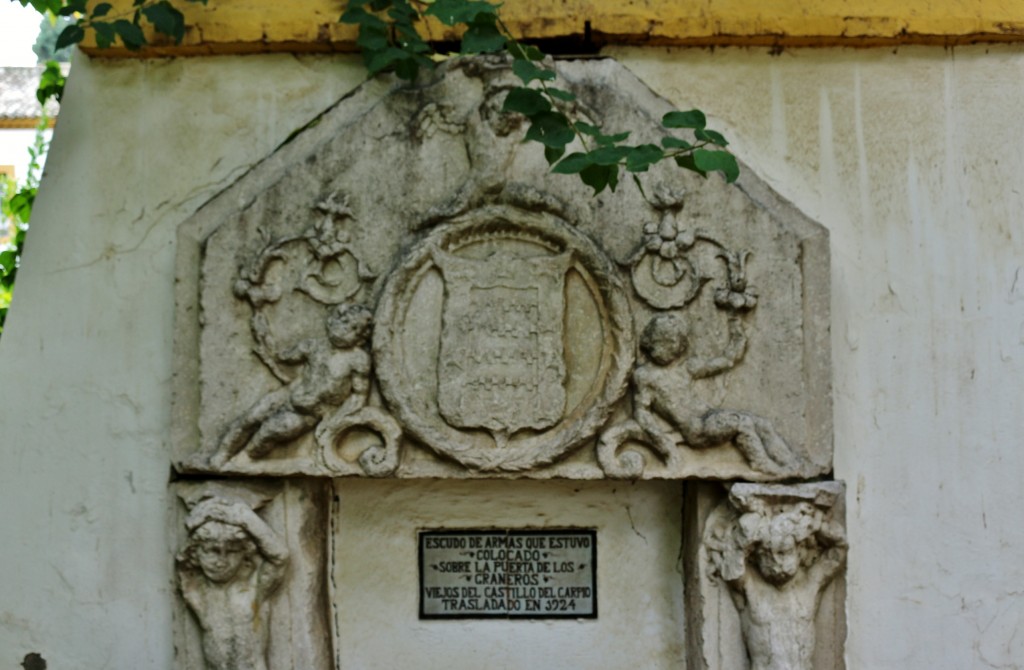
<point x="405" y="291"/>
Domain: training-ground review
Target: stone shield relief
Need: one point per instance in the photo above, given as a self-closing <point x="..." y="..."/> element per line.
<point x="404" y="290"/>
<point x="429" y="301"/>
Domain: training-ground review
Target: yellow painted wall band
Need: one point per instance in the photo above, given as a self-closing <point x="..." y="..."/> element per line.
<point x="246" y="26"/>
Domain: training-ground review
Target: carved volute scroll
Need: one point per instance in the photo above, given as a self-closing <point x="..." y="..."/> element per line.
<point x="776" y="548"/>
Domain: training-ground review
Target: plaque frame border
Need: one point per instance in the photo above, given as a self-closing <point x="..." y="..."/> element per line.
<point x="423" y="532"/>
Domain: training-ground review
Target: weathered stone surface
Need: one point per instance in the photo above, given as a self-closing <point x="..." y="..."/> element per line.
<point x="507" y="304"/>
<point x="251" y="576"/>
<point x="764" y="581"/>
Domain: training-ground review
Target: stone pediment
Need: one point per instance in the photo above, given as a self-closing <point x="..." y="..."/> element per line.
<point x="404" y="289"/>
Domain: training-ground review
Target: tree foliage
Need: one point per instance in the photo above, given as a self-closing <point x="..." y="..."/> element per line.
<point x="16" y="202"/>
<point x="390" y="39"/>
<point x="45" y="48"/>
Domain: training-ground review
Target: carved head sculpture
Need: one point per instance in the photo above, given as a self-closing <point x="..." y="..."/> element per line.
<point x="348" y="325"/>
<point x="665" y="339"/>
<point x="221" y="549"/>
<point x="217" y="546"/>
<point x="783" y="539"/>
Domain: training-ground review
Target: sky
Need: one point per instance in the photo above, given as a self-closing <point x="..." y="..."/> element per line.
<point x="18" y="29"/>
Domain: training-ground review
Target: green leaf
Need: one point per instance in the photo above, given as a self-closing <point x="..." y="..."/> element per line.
<point x="411" y="41"/>
<point x="721" y="161"/>
<point x="355" y="14"/>
<point x="675" y="143"/>
<point x="528" y="72"/>
<point x="483" y="36"/>
<point x="642" y="157"/>
<point x="686" y="162"/>
<point x="560" y="94"/>
<point x="407" y="69"/>
<point x="452" y="12"/>
<point x="531" y="52"/>
<point x="599" y="177"/>
<point x="608" y="155"/>
<point x="72" y="7"/>
<point x="73" y="34"/>
<point x="51" y="85"/>
<point x="105" y="34"/>
<point x="706" y="135"/>
<point x="8" y="260"/>
<point x="550" y="129"/>
<point x="373" y="37"/>
<point x="552" y="154"/>
<point x="102" y="9"/>
<point x="130" y="34"/>
<point x="402" y="13"/>
<point x="691" y="119"/>
<point x="606" y="140"/>
<point x="378" y="61"/>
<point x="525" y="101"/>
<point x="588" y="129"/>
<point x="166" y="19"/>
<point x="573" y="164"/>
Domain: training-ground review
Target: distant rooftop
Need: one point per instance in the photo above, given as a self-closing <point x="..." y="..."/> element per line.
<point x="18" y="104"/>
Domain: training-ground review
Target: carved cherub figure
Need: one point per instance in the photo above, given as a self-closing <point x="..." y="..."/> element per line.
<point x="777" y="558"/>
<point x="335" y="378"/>
<point x="663" y="390"/>
<point x="232" y="564"/>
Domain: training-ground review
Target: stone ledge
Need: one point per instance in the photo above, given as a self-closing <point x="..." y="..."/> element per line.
<point x="256" y="26"/>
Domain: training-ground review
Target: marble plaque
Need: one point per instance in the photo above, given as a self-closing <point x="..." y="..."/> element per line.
<point x="516" y="574"/>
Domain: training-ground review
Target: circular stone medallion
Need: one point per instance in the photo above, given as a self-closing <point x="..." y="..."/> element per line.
<point x="503" y="339"/>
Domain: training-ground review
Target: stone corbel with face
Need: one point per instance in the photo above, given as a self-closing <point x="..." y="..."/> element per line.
<point x="777" y="549"/>
<point x="230" y="567"/>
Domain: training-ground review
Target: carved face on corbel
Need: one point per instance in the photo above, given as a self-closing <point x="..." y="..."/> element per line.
<point x="220" y="550"/>
<point x="783" y="541"/>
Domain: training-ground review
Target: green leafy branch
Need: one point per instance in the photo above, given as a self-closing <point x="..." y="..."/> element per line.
<point x="109" y="28"/>
<point x="390" y="40"/>
<point x="15" y="209"/>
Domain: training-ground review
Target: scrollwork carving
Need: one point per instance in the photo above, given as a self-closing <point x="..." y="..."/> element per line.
<point x="777" y="548"/>
<point x="379" y="460"/>
<point x="667" y="273"/>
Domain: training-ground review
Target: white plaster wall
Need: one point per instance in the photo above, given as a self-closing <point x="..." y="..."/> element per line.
<point x="914" y="160"/>
<point x="85" y="359"/>
<point x="639" y="579"/>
